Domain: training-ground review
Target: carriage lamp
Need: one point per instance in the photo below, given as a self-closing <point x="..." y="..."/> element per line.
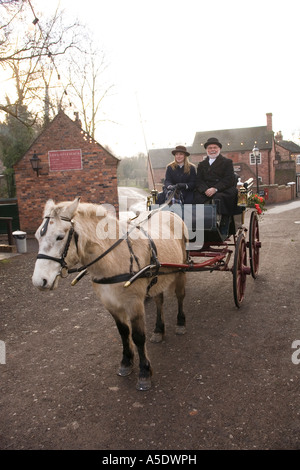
<point x="256" y="154"/>
<point x="36" y="164"/>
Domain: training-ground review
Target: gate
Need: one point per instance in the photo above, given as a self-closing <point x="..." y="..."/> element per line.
<point x="9" y="208"/>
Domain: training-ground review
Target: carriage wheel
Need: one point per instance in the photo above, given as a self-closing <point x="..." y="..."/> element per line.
<point x="254" y="244"/>
<point x="240" y="270"/>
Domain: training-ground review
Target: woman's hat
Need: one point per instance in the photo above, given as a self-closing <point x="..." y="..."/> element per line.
<point x="212" y="141"/>
<point x="180" y="148"/>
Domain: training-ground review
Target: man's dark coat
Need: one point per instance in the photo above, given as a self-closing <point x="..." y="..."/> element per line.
<point x="219" y="175"/>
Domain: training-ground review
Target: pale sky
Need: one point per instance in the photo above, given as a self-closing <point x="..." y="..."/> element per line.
<point x="194" y="66"/>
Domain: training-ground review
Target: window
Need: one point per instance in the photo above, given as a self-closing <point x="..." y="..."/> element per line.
<point x="252" y="159"/>
<point x="298" y="160"/>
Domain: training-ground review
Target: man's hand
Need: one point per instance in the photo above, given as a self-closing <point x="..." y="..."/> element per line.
<point x="210" y="192"/>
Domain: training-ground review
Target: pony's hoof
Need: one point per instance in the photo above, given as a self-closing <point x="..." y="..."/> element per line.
<point x="144" y="383"/>
<point x="125" y="370"/>
<point x="180" y="330"/>
<point x="156" y="338"/>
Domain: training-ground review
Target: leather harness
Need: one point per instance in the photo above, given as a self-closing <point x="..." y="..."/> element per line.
<point x="149" y="271"/>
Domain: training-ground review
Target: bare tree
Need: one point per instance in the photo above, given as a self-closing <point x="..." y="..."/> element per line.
<point x="89" y="86"/>
<point x="36" y="59"/>
<point x="49" y="38"/>
<point x="33" y="55"/>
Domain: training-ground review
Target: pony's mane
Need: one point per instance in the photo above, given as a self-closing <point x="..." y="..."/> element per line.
<point x="90" y="219"/>
<point x="84" y="209"/>
<point x="90" y="210"/>
<point x="93" y="222"/>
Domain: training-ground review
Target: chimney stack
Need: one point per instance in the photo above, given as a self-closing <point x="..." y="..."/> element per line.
<point x="269" y="122"/>
<point x="77" y="120"/>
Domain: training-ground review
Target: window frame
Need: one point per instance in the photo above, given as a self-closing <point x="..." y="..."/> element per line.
<point x="252" y="159"/>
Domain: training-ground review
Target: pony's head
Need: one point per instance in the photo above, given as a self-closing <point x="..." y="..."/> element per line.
<point x="57" y="250"/>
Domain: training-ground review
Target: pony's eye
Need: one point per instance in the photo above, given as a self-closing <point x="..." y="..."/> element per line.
<point x="59" y="237"/>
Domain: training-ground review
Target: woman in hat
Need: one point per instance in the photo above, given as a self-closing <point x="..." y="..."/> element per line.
<point x="182" y="173"/>
<point x="216" y="181"/>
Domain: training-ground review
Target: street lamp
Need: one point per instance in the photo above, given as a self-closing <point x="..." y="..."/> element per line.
<point x="36" y="164"/>
<point x="256" y="154"/>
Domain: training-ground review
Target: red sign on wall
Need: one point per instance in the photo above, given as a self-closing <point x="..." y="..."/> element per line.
<point x="61" y="160"/>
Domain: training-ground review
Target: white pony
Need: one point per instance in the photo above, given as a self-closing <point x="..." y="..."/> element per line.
<point x="125" y="265"/>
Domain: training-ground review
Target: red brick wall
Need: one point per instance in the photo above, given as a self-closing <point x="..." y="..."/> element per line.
<point x="279" y="193"/>
<point x="96" y="182"/>
<point x="284" y="153"/>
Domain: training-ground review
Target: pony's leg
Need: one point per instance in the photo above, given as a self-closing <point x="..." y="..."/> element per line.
<point x="139" y="338"/>
<point x="159" y="329"/>
<point x="128" y="354"/>
<point x="180" y="294"/>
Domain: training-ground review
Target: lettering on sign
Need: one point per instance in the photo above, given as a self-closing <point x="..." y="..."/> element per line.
<point x="61" y="160"/>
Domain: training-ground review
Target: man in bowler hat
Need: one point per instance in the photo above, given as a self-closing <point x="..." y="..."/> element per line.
<point x="216" y="182"/>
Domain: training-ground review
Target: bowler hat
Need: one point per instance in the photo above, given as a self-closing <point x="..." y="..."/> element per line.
<point x="212" y="141"/>
<point x="180" y="148"/>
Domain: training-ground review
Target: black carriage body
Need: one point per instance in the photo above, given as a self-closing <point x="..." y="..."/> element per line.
<point x="203" y="222"/>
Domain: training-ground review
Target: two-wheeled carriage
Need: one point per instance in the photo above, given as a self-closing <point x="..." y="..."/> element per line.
<point x="148" y="252"/>
<point x="211" y="250"/>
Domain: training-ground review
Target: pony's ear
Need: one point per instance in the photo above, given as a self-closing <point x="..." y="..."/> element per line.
<point x="70" y="210"/>
<point x="48" y="206"/>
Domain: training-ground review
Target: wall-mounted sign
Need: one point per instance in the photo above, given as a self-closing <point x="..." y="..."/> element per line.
<point x="61" y="160"/>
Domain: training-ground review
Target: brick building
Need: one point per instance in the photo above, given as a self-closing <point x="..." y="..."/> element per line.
<point x="237" y="145"/>
<point x="72" y="164"/>
<point x="287" y="161"/>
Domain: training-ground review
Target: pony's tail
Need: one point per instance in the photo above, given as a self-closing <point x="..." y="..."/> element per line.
<point x="184" y="240"/>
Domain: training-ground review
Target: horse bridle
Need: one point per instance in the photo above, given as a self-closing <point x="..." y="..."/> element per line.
<point x="64" y="267"/>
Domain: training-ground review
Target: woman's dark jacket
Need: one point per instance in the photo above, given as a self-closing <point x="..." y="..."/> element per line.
<point x="177" y="175"/>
